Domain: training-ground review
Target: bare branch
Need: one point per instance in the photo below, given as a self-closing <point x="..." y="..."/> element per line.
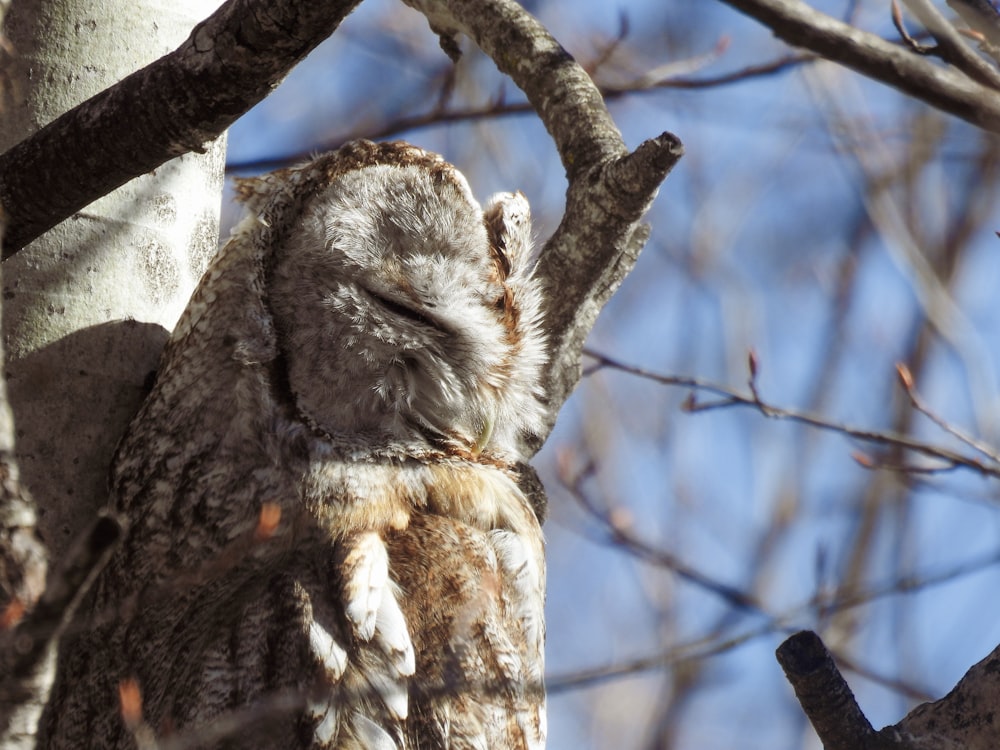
<point x="619" y="535"/>
<point x="824" y="694"/>
<point x="965" y="718"/>
<point x="229" y="63"/>
<point x="906" y="380"/>
<point x="730" y="398"/>
<point x="897" y="21"/>
<point x="609" y="189"/>
<point x="951" y="46"/>
<point x="944" y="88"/>
<point x="497" y="109"/>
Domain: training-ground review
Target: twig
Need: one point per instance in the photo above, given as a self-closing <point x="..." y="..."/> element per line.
<point x="619" y="536"/>
<point x="951" y="48"/>
<point x="898" y="686"/>
<point x="695" y="651"/>
<point x="611" y="47"/>
<point x="906" y="381"/>
<point x="729" y="398"/>
<point x="946" y="89"/>
<point x="897" y="21"/>
<point x="499" y="109"/>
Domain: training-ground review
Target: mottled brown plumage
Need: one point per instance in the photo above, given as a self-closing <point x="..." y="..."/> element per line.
<point x="362" y="357"/>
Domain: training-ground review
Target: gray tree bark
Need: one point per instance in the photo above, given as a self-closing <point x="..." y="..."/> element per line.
<point x="80" y="302"/>
<point x="86" y="308"/>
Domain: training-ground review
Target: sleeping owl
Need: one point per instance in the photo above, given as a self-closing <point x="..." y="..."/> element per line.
<point x="328" y="546"/>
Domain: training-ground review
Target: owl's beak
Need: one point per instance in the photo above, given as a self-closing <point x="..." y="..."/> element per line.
<point x="484" y="434"/>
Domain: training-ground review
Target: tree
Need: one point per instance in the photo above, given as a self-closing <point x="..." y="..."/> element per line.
<point x="963" y="88"/>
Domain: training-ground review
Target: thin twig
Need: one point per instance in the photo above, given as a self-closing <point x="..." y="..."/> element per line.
<point x="499" y="109"/>
<point x="906" y="380"/>
<point x="729" y="398"/>
<point x="897" y="21"/>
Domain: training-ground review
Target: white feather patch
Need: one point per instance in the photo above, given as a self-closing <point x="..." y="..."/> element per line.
<point x="366" y="566"/>
<point x="391" y="689"/>
<point x="328" y="651"/>
<point x="392" y="634"/>
<point x="524" y="575"/>
<point x="370" y="735"/>
<point x="326" y="731"/>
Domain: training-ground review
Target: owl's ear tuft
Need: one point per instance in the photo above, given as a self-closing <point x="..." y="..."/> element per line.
<point x="507" y="217"/>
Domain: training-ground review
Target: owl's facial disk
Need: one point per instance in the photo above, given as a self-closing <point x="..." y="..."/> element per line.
<point x="394" y="312"/>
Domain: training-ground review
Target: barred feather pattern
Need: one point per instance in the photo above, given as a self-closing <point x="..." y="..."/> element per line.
<point x="361" y="362"/>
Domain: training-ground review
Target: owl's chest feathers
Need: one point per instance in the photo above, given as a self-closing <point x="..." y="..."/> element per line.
<point x="384" y="495"/>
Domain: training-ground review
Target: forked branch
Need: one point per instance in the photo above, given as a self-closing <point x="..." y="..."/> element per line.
<point x="610" y="189"/>
<point x="946" y="88"/>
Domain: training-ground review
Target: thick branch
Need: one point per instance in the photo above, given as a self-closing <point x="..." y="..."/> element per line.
<point x="824" y="695"/>
<point x="597" y="243"/>
<point x="965" y="718"/>
<point x="946" y="89"/>
<point x="228" y="63"/>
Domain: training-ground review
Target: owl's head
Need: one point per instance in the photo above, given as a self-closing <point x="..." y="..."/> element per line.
<point x="407" y="314"/>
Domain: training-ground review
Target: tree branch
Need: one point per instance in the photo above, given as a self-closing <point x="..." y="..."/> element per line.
<point x="953" y="48"/>
<point x="986" y="465"/>
<point x="946" y="89"/>
<point x="229" y="63"/>
<point x="965" y="718"/>
<point x="824" y="694"/>
<point x="599" y="238"/>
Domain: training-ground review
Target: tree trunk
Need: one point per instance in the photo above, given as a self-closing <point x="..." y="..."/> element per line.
<point x="88" y="305"/>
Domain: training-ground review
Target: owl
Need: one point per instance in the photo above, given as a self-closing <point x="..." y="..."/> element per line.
<point x="328" y="543"/>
